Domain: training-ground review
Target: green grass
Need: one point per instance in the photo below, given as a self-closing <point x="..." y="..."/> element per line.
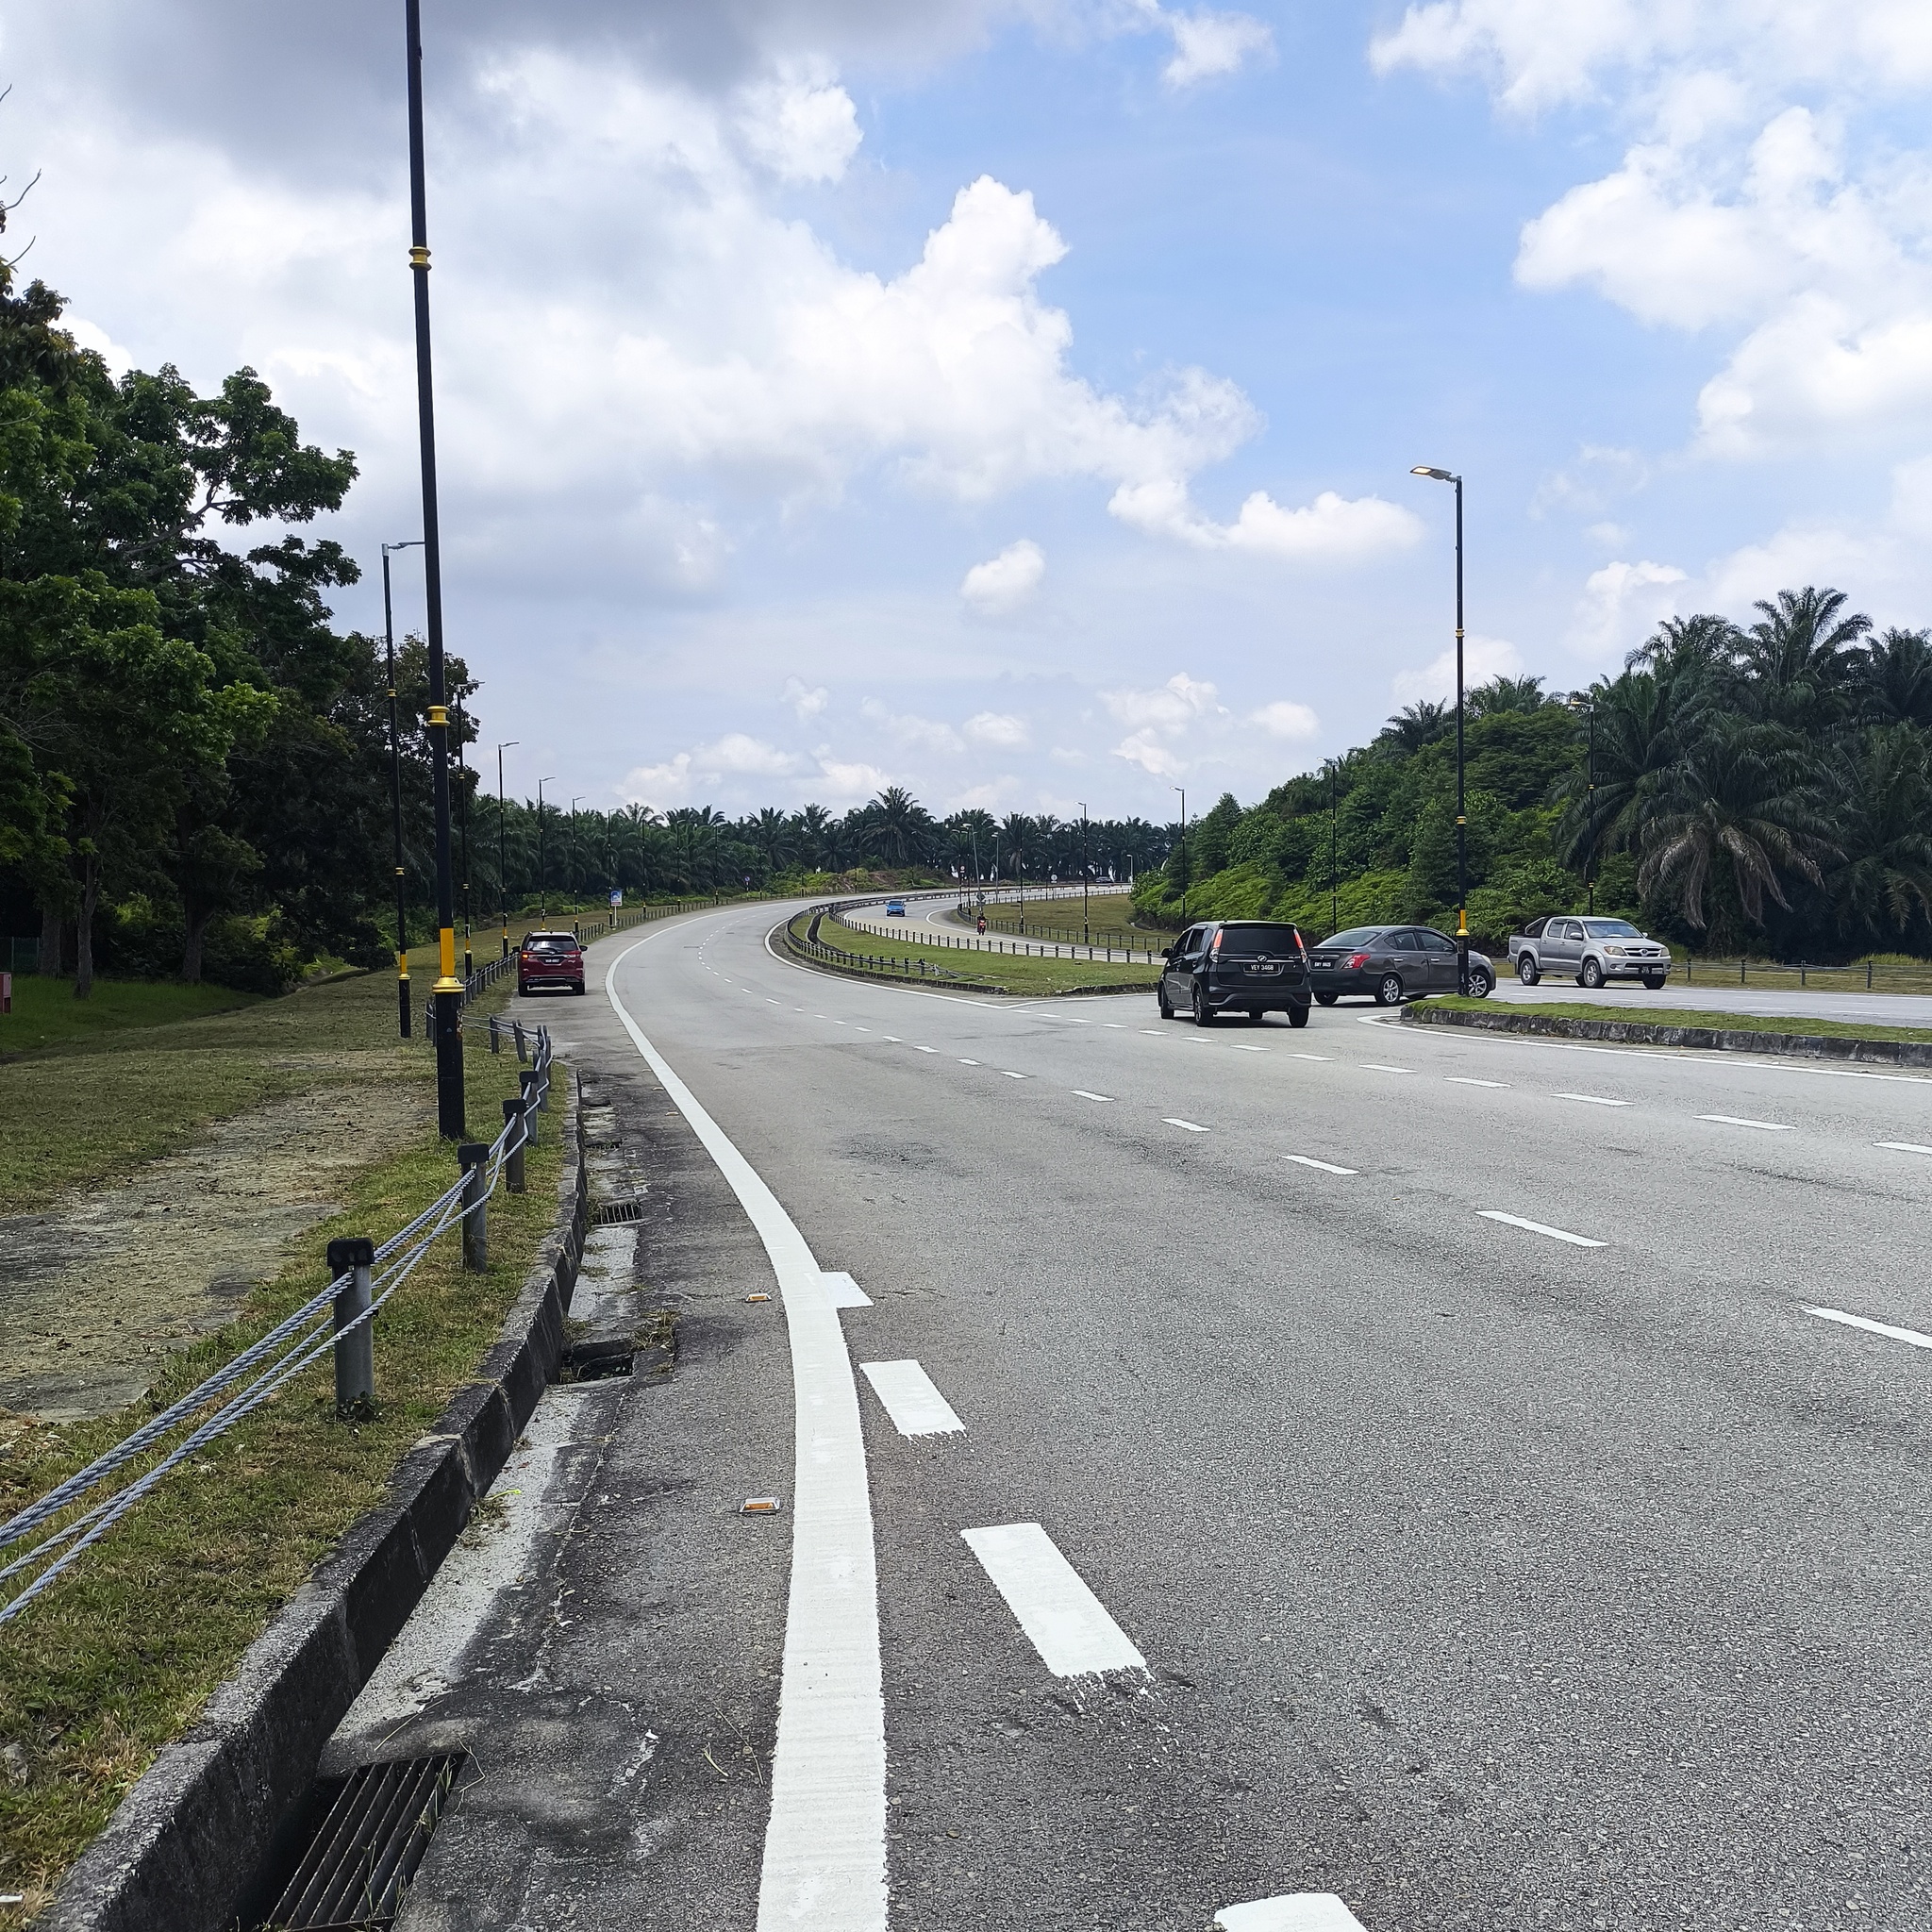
<point x="1016" y="972"/>
<point x="92" y="1108"/>
<point x="45" y="1013"/>
<point x="120" y="1656"/>
<point x="1793" y="1025"/>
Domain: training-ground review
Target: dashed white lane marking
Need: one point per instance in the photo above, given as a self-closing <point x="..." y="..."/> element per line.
<point x="1555" y="1234"/>
<point x="1591" y="1099"/>
<point x="843" y="1291"/>
<point x="1326" y="1058"/>
<point x="925" y="1049"/>
<point x="1884" y="1329"/>
<point x="892" y="1038"/>
<point x="1298" y="1911"/>
<point x="1081" y="1093"/>
<point x="1010" y="1075"/>
<point x="1242" y="1047"/>
<point x="1325" y="1166"/>
<point x="1465" y="1080"/>
<point x="824" y="1855"/>
<point x="1736" y="1120"/>
<point x="969" y="1063"/>
<point x="1066" y="1623"/>
<point x="1376" y="1067"/>
<point x="1114" y="1025"/>
<point x="1192" y="1126"/>
<point x="1903" y="1146"/>
<point x="917" y="1407"/>
<point x="857" y="1028"/>
<point x="1153" y="1033"/>
<point x="771" y="1002"/>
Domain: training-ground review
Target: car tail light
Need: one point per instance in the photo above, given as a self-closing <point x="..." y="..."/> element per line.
<point x="1216" y="946"/>
<point x="1356" y="960"/>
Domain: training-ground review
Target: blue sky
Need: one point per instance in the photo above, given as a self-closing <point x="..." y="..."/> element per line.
<point x="1016" y="401"/>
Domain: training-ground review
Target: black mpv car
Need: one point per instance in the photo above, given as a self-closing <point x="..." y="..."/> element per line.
<point x="1252" y="966"/>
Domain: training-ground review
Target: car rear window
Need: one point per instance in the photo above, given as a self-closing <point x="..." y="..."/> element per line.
<point x="550" y="945"/>
<point x="1355" y="936"/>
<point x="1249" y="942"/>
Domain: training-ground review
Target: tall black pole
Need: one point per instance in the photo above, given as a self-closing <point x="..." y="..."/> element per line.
<point x="1589" y="780"/>
<point x="1086" y="932"/>
<point x="1183" y="790"/>
<point x="449" y="988"/>
<point x="1461" y="823"/>
<point x="502" y="846"/>
<point x="463" y="832"/>
<point x="1333" y="842"/>
<point x="395" y="779"/>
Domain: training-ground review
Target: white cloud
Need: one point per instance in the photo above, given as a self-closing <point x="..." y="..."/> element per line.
<point x="846" y="782"/>
<point x="1332" y="529"/>
<point x="1171" y="707"/>
<point x="1286" y="719"/>
<point x="1207" y="44"/>
<point x="1621" y="604"/>
<point x="1144" y="748"/>
<point x="924" y="734"/>
<point x="699" y="771"/>
<point x="1482" y="659"/>
<point x="998" y="730"/>
<point x="803" y="126"/>
<point x="806" y="701"/>
<point x="1002" y="584"/>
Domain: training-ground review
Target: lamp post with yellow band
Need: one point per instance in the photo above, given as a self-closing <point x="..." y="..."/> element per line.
<point x="448" y="991"/>
<point x="395" y="781"/>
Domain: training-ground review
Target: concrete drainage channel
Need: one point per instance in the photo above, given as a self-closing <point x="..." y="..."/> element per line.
<point x="275" y="1810"/>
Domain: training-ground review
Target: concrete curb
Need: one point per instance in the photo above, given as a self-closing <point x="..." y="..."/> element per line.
<point x="1888" y="1053"/>
<point x="186" y="1845"/>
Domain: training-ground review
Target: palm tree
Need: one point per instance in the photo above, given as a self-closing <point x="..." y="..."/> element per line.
<point x="1737" y="808"/>
<point x="770" y="834"/>
<point x="815" y="830"/>
<point x="1507" y="694"/>
<point x="1416" y="725"/>
<point x="897" y="827"/>
<point x="1895" y="679"/>
<point x="1882" y="805"/>
<point x="1800" y="658"/>
<point x="695" y="831"/>
<point x="1016" y="841"/>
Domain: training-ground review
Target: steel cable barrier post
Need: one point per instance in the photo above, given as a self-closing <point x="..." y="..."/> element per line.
<point x="513" y="1145"/>
<point x="473" y="1156"/>
<point x="353" y="1256"/>
<point x="526" y="1082"/>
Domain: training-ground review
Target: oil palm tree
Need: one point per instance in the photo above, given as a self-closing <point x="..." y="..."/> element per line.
<point x="1881" y="802"/>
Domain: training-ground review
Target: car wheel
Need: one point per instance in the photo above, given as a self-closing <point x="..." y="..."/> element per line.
<point x="1592" y="975"/>
<point x="1654" y="981"/>
<point x="1298" y="1016"/>
<point x="1203" y="1013"/>
<point x="1161" y="1000"/>
<point x="578" y="991"/>
<point x="1326" y="999"/>
<point x="1526" y="970"/>
<point x="1388" y="991"/>
<point x="1481" y="984"/>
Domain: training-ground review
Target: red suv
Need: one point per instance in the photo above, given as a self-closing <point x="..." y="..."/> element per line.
<point x="550" y="958"/>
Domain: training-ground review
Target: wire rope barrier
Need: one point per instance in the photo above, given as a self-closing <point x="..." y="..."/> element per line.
<point x="293" y="1344"/>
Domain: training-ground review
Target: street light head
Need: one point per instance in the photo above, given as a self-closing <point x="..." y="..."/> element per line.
<point x="1440" y="475"/>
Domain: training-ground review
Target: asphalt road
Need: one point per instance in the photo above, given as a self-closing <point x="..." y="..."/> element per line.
<point x="1441" y="1421"/>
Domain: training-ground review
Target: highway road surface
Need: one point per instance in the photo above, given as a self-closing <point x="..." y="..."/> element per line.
<point x="1361" y="1476"/>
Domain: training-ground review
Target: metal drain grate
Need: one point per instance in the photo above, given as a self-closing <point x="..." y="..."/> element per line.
<point x="352" y="1876"/>
<point x="613" y="1211"/>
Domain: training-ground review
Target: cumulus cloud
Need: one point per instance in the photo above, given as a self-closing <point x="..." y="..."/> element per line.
<point x="1286" y="719"/>
<point x="806" y="700"/>
<point x="1207" y="46"/>
<point x="997" y="730"/>
<point x="1161" y="717"/>
<point x="923" y="733"/>
<point x="1621" y="604"/>
<point x="802" y="127"/>
<point x="1333" y="529"/>
<point x="1002" y="584"/>
<point x="737" y="754"/>
<point x="1482" y="659"/>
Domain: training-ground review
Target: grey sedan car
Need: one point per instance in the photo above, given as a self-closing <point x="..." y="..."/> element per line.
<point x="1392" y="963"/>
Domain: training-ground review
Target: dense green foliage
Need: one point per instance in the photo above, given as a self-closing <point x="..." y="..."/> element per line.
<point x="1765" y="787"/>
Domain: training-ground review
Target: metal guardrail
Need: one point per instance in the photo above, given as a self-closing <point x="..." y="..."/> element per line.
<point x="878" y="963"/>
<point x="336" y="1319"/>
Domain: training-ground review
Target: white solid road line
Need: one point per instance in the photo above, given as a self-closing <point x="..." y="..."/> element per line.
<point x="1884" y="1329"/>
<point x="1080" y="1093"/>
<point x="917" y="1407"/>
<point x="1590" y="1099"/>
<point x="825" y="1858"/>
<point x="1192" y="1126"/>
<point x="1325" y="1166"/>
<point x="1734" y="1120"/>
<point x="1299" y="1911"/>
<point x="845" y="1292"/>
<point x="1464" y="1080"/>
<point x="1555" y="1234"/>
<point x="1903" y="1146"/>
<point x="1066" y="1622"/>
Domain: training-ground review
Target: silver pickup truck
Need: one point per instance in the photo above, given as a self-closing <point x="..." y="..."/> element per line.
<point x="1588" y="949"/>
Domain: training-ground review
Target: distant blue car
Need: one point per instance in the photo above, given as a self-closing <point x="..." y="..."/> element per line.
<point x="895" y="909"/>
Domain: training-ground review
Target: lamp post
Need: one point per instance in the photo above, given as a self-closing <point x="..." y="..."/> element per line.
<point x="1462" y="822"/>
<point x="1333" y="842"/>
<point x="395" y="781"/>
<point x="1183" y="790"/>
<point x="1086" y="932"/>
<point x="1587" y="704"/>
<point x="502" y="845"/>
<point x="463" y="833"/>
<point x="449" y="988"/>
<point x="576" y="888"/>
<point x="543" y="870"/>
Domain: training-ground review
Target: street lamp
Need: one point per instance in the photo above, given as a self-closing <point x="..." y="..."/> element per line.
<point x="1086" y="933"/>
<point x="463" y="833"/>
<point x="1333" y="842"/>
<point x="502" y="845"/>
<point x="449" y="988"/>
<point x="542" y="869"/>
<point x="395" y="780"/>
<point x="575" y="894"/>
<point x="1462" y="822"/>
<point x="1183" y="790"/>
<point x="1580" y="701"/>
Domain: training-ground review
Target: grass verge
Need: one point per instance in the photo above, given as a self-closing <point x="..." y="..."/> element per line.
<point x="45" y="1013"/>
<point x="1795" y="1025"/>
<point x="120" y="1656"/>
<point x="1017" y="972"/>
